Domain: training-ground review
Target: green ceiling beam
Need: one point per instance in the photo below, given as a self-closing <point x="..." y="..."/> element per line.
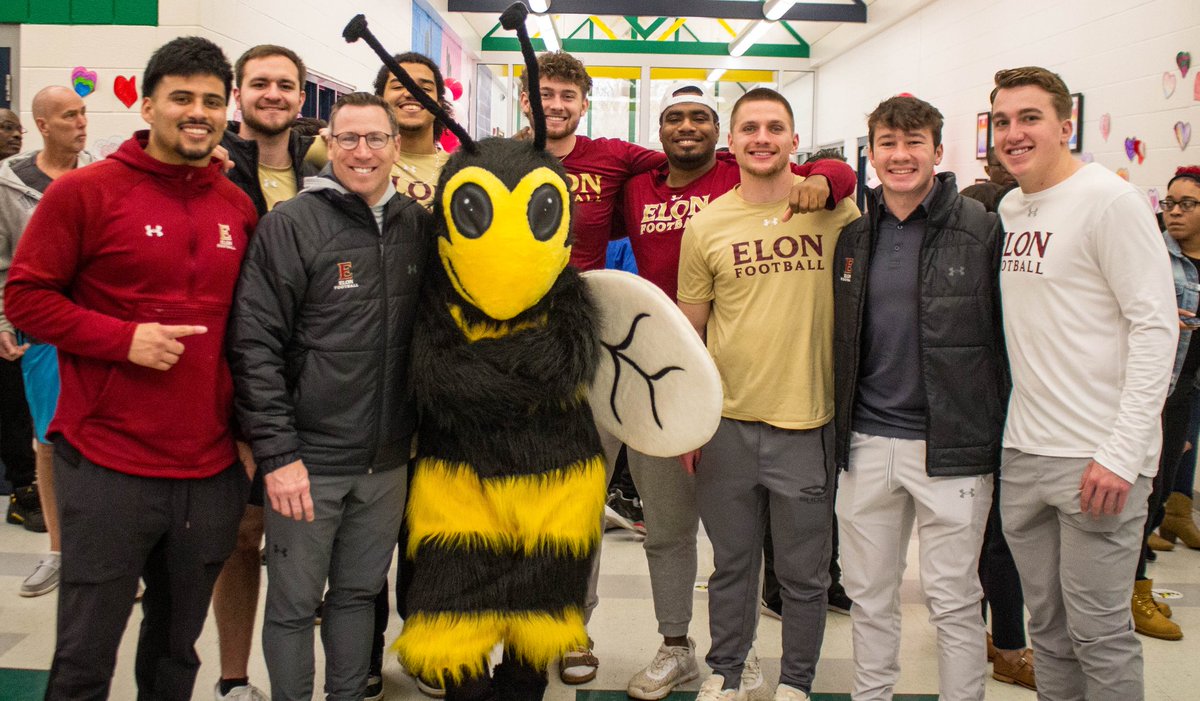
<point x="637" y="46"/>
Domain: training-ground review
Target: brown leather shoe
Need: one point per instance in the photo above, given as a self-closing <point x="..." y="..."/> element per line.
<point x="1019" y="673"/>
<point x="1148" y="619"/>
<point x="991" y="648"/>
<point x="1159" y="544"/>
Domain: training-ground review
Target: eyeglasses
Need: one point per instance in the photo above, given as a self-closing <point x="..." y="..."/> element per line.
<point x="1186" y="205"/>
<point x="375" y="140"/>
<point x="12" y="127"/>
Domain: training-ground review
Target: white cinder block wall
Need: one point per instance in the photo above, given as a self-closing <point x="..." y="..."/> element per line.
<point x="1113" y="51"/>
<point x="313" y="28"/>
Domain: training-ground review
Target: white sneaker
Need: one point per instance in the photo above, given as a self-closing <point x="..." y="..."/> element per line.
<point x="44" y="578"/>
<point x="240" y="693"/>
<point x="711" y="690"/>
<point x="671" y="667"/>
<point x="753" y="686"/>
<point x="783" y="692"/>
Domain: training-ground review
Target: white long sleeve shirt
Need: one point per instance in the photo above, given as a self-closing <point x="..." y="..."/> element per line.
<point x="1090" y="321"/>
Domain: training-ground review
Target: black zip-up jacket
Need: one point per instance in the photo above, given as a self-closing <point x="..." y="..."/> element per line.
<point x="964" y="367"/>
<point x="244" y="154"/>
<point x="321" y="332"/>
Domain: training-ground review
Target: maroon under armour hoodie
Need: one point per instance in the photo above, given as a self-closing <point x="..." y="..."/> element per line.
<point x="124" y="241"/>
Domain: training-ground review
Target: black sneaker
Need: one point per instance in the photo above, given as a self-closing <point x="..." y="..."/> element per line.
<point x="24" y="508"/>
<point x="620" y="512"/>
<point x="374" y="688"/>
<point x="837" y="600"/>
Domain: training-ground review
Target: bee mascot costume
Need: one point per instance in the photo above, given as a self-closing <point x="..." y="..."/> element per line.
<point x="507" y="496"/>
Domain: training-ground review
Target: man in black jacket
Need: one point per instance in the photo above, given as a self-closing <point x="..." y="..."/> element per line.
<point x="268" y="165"/>
<point x="920" y="391"/>
<point x="319" y="349"/>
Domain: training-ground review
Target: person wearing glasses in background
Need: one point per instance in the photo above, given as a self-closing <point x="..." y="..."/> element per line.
<point x="1182" y="236"/>
<point x="319" y="345"/>
<point x="11" y="133"/>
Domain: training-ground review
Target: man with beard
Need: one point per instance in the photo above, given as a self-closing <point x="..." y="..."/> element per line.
<point x="758" y="287"/>
<point x="11" y="133"/>
<point x="128" y="267"/>
<point x="269" y="166"/>
<point x="656" y="206"/>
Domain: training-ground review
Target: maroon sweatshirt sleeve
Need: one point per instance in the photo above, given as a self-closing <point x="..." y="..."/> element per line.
<point x="43" y="270"/>
<point x="840" y="176"/>
<point x="639" y="159"/>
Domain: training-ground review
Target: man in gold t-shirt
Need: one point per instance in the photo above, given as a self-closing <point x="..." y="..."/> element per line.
<point x="756" y="283"/>
<point x="421" y="159"/>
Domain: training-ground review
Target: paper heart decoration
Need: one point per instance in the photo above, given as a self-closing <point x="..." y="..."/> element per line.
<point x="83" y="81"/>
<point x="107" y="147"/>
<point x="1183" y="134"/>
<point x="1123" y="173"/>
<point x="126" y="89"/>
<point x="1139" y="147"/>
<point x="1105" y="125"/>
<point x="1087" y="157"/>
<point x="1152" y="193"/>
<point x="1130" y="148"/>
<point x="1168" y="84"/>
<point x="1196" y="90"/>
<point x="1183" y="59"/>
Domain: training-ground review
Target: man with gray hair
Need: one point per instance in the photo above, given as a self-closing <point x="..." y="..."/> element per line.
<point x="61" y="118"/>
<point x="320" y="335"/>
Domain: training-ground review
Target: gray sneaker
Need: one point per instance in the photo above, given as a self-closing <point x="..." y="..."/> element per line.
<point x="671" y="667"/>
<point x="753" y="686"/>
<point x="44" y="578"/>
<point x="249" y="692"/>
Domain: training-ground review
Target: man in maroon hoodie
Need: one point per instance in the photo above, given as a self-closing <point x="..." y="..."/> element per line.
<point x="129" y="267"/>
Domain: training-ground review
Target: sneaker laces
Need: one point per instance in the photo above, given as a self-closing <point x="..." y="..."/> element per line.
<point x="663" y="660"/>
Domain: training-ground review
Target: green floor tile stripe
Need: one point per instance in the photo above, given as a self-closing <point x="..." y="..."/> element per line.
<point x="587" y="695"/>
<point x="23" y="684"/>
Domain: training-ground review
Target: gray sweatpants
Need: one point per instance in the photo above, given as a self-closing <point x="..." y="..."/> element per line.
<point x="745" y="467"/>
<point x="1077" y="577"/>
<point x="350" y="544"/>
<point x="668" y="495"/>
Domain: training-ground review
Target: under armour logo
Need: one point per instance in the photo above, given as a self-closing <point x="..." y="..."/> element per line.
<point x="1032" y="211"/>
<point x="674" y="197"/>
<point x="771" y="222"/>
<point x="960" y="270"/>
<point x="282" y="552"/>
<point x="964" y="493"/>
<point x="412" y="270"/>
<point x="154" y="230"/>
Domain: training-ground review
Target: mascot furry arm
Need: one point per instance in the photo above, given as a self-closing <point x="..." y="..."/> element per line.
<point x="508" y="490"/>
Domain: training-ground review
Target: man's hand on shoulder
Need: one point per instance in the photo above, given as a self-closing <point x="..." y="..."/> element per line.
<point x="1102" y="492"/>
<point x="9" y="350"/>
<point x="808" y="195"/>
<point x="288" y="490"/>
<point x="155" y="346"/>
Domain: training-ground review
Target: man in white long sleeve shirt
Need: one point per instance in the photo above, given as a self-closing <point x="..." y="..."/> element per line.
<point x="1091" y="327"/>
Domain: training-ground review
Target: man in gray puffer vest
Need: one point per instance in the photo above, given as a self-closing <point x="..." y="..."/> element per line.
<point x="920" y="389"/>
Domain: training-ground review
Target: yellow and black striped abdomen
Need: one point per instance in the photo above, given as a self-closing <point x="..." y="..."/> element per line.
<point x="503" y="558"/>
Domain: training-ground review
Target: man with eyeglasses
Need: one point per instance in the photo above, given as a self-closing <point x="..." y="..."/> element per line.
<point x="319" y="345"/>
<point x="11" y="133"/>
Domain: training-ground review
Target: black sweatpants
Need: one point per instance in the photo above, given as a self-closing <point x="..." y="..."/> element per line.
<point x="175" y="534"/>
<point x="16" y="427"/>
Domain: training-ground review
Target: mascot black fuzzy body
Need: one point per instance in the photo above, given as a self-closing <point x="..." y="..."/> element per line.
<point x="507" y="494"/>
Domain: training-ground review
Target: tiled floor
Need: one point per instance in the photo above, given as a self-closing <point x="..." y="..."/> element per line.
<point x="623" y="628"/>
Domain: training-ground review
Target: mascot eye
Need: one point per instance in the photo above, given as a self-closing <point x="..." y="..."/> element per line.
<point x="545" y="212"/>
<point x="471" y="209"/>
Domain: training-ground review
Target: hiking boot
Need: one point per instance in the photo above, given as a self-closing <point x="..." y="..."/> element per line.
<point x="1147" y="618"/>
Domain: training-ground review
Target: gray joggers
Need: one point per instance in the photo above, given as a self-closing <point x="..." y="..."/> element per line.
<point x="1076" y="573"/>
<point x="744" y="467"/>
<point x="350" y="543"/>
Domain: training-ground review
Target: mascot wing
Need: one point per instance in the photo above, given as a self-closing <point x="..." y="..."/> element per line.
<point x="656" y="386"/>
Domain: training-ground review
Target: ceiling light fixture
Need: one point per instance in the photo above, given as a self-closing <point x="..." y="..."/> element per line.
<point x="543" y="6"/>
<point x="545" y="26"/>
<point x="749" y="35"/>
<point x="773" y="9"/>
